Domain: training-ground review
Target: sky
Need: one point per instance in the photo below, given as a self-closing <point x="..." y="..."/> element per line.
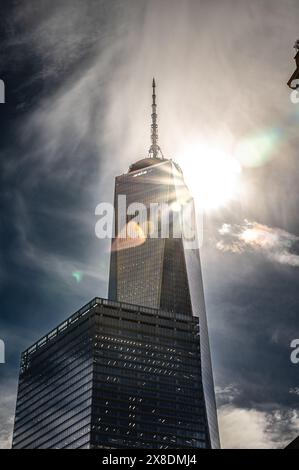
<point x="77" y="78"/>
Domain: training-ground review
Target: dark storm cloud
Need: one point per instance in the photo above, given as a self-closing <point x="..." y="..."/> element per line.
<point x="77" y="77"/>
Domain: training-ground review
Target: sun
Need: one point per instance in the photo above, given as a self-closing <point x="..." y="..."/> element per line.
<point x="212" y="175"/>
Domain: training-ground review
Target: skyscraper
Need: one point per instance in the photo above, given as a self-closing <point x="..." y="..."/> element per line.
<point x="115" y="376"/>
<point x="133" y="371"/>
<point x="162" y="272"/>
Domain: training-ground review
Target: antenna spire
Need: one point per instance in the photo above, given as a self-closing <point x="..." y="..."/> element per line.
<point x="154" y="148"/>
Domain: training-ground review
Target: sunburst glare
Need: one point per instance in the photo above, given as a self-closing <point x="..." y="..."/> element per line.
<point x="212" y="174"/>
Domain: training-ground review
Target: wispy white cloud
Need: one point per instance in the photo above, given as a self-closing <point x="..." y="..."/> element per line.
<point x="274" y="243"/>
<point x="242" y="428"/>
<point x="30" y="253"/>
<point x="116" y="50"/>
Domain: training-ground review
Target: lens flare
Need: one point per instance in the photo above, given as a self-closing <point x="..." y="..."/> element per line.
<point x="131" y="236"/>
<point x="78" y="275"/>
<point x="258" y="149"/>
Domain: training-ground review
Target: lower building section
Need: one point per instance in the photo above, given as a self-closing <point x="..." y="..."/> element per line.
<point x="114" y="376"/>
<point x="294" y="444"/>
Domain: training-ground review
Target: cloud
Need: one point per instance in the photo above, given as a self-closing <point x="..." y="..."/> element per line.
<point x="115" y="51"/>
<point x="226" y="395"/>
<point x="242" y="428"/>
<point x="32" y="252"/>
<point x="2" y="272"/>
<point x="254" y="426"/>
<point x="7" y="406"/>
<point x="276" y="244"/>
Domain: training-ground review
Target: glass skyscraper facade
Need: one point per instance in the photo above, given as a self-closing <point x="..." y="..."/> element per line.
<point x="165" y="271"/>
<point x="55" y="388"/>
<point x="152" y="271"/>
<point x="133" y="371"/>
<point x="113" y="375"/>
